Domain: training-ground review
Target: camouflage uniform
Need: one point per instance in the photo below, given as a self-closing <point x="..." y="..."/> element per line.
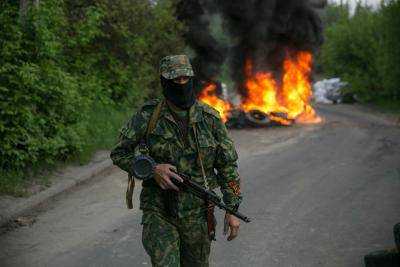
<point x="174" y="224"/>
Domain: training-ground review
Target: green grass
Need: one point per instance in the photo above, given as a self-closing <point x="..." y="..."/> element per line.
<point x="12" y="183"/>
<point x="387" y="106"/>
<point x="102" y="131"/>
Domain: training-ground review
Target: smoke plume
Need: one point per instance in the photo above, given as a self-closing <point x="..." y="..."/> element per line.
<point x="264" y="31"/>
<point x="210" y="55"/>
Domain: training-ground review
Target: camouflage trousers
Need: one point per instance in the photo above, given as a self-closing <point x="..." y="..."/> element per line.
<point x="175" y="242"/>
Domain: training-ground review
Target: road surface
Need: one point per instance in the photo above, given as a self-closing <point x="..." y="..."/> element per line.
<point x="319" y="195"/>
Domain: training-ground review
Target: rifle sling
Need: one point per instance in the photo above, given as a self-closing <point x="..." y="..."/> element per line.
<point x="150" y="127"/>
<point x="211" y="221"/>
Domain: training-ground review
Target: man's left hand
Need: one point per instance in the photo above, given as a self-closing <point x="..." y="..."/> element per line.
<point x="233" y="223"/>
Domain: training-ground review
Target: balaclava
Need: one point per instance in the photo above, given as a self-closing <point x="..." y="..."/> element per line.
<point x="181" y="95"/>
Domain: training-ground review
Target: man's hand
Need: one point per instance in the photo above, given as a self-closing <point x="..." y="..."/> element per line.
<point x="163" y="174"/>
<point x="233" y="224"/>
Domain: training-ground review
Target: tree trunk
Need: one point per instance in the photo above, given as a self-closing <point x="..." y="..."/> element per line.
<point x="23" y="8"/>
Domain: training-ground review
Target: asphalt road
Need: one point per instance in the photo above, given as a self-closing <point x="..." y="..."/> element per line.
<point x="322" y="195"/>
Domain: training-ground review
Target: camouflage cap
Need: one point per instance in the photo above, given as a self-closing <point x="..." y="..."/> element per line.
<point x="175" y="66"/>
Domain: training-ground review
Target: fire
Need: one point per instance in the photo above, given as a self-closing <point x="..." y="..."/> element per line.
<point x="209" y="96"/>
<point x="292" y="97"/>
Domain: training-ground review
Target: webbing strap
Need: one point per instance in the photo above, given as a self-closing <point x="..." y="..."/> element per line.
<point x="150" y="127"/>
<point x="200" y="157"/>
<point x="129" y="192"/>
<point x="153" y="120"/>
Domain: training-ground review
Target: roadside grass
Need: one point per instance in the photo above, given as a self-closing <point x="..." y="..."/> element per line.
<point x="103" y="128"/>
<point x="12" y="183"/>
<point x="387" y="106"/>
<point x="103" y="124"/>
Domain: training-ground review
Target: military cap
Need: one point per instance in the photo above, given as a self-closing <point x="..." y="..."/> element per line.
<point x="175" y="66"/>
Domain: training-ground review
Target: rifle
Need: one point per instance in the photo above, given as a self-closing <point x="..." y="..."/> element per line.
<point x="143" y="169"/>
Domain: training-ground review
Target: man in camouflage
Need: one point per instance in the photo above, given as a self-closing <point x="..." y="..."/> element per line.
<point x="190" y="138"/>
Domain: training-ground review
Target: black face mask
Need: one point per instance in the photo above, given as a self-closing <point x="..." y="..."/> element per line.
<point x="181" y="95"/>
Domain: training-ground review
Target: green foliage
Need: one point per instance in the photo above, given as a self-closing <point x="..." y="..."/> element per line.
<point x="334" y="13"/>
<point x="363" y="49"/>
<point x="12" y="182"/>
<point x="389" y="50"/>
<point x="66" y="69"/>
<point x="39" y="100"/>
<point x="105" y="122"/>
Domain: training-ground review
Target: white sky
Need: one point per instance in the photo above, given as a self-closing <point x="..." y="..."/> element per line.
<point x="374" y="3"/>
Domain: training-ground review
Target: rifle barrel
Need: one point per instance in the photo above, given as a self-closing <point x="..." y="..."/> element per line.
<point x="203" y="193"/>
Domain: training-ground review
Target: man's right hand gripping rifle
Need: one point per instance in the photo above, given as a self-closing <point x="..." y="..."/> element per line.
<point x="163" y="174"/>
<point x="167" y="178"/>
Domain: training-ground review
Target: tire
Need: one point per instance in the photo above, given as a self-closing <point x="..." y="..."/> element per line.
<point x="256" y="118"/>
<point x="383" y="258"/>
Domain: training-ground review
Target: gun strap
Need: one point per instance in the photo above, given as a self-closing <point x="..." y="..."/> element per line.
<point x="151" y="125"/>
<point x="200" y="158"/>
<point x="153" y="120"/>
<point x="211" y="221"/>
<point x="129" y="191"/>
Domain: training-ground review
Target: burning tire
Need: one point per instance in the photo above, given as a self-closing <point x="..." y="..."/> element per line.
<point x="256" y="118"/>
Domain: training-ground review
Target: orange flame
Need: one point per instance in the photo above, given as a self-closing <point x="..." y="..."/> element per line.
<point x="291" y="98"/>
<point x="209" y="96"/>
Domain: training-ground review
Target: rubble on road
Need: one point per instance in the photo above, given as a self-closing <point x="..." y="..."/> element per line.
<point x="329" y="91"/>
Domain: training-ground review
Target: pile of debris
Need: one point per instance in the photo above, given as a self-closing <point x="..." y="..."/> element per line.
<point x="256" y="119"/>
<point x="329" y="91"/>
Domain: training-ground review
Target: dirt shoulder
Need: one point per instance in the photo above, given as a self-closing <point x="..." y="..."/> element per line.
<point x="62" y="180"/>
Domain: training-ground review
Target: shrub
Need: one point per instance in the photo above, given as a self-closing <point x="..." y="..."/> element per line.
<point x="67" y="69"/>
<point x="364" y="49"/>
<point x="350" y="52"/>
<point x="389" y="49"/>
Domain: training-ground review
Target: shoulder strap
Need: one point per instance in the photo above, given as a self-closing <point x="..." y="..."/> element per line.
<point x="150" y="127"/>
<point x="200" y="157"/>
<point x="153" y="120"/>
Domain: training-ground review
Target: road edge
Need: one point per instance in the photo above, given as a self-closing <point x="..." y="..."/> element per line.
<point x="361" y="111"/>
<point x="70" y="178"/>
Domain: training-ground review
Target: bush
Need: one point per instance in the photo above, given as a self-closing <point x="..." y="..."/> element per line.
<point x="68" y="67"/>
<point x="350" y="52"/>
<point x="40" y="103"/>
<point x="389" y="49"/>
<point x="363" y="49"/>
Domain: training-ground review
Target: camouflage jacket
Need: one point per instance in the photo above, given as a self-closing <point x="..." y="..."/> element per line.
<point x="167" y="145"/>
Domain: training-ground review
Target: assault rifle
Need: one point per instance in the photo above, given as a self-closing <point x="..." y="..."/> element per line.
<point x="143" y="169"/>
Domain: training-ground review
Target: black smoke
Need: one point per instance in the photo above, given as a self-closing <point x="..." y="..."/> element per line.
<point x="210" y="55"/>
<point x="264" y="31"/>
